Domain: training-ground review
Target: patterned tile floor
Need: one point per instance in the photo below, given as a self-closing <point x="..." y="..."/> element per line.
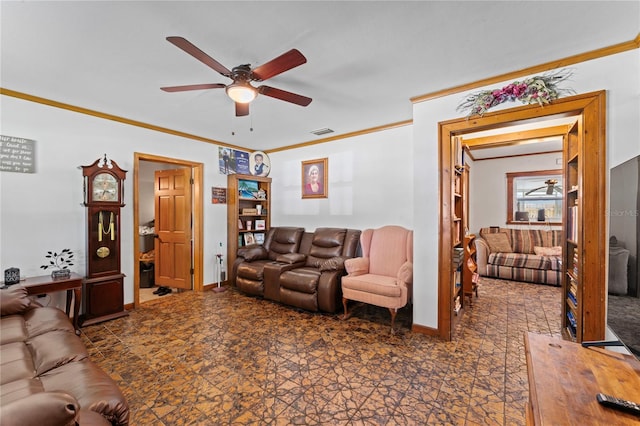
<point x="228" y="359"/>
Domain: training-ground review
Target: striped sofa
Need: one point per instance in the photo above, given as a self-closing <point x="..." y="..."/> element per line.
<point x="529" y="255"/>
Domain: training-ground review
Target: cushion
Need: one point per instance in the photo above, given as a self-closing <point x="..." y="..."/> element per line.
<point x="498" y="243"/>
<point x="548" y="251"/>
<point x="521" y="260"/>
<point x="56" y="348"/>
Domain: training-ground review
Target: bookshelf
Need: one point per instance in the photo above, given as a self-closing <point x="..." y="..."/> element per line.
<point x="582" y="289"/>
<point x="459" y="227"/>
<point x="248" y="212"/>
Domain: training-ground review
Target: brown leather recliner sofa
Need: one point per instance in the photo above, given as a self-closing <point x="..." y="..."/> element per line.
<point x="46" y="376"/>
<point x="297" y="268"/>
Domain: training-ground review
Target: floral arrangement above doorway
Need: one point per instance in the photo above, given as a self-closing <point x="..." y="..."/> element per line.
<point x="538" y="89"/>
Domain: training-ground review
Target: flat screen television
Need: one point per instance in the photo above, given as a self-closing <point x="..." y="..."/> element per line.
<point x="623" y="298"/>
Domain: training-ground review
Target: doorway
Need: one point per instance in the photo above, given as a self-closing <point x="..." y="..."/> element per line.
<point x="590" y="110"/>
<point x="143" y="212"/>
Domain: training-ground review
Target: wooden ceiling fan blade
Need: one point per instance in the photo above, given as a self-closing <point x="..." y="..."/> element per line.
<point x="193" y="87"/>
<point x="283" y="95"/>
<point x="282" y="63"/>
<point x="242" y="109"/>
<point x="192" y="50"/>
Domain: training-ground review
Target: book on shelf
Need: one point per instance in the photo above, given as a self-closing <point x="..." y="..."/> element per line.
<point x="573" y="300"/>
<point x="457" y="305"/>
<point x="571" y="331"/>
<point x="458" y="256"/>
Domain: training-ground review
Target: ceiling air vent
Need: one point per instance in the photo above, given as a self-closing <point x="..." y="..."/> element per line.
<point x="322" y="131"/>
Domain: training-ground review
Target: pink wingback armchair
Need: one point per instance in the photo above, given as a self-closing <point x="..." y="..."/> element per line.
<point x="383" y="276"/>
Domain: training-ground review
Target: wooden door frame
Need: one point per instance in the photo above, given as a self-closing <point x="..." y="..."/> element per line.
<point x="592" y="110"/>
<point x="197" y="201"/>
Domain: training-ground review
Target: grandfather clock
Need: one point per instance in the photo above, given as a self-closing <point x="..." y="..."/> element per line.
<point x="103" y="292"/>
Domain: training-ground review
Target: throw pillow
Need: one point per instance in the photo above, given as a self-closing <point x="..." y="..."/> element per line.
<point x="548" y="251"/>
<point x="498" y="243"/>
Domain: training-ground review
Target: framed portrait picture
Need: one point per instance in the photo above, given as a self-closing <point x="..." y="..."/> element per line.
<point x="259" y="164"/>
<point x="315" y="175"/>
<point x="249" y="238"/>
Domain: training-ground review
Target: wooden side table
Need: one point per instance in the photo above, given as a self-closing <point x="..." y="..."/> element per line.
<point x="564" y="379"/>
<point x="45" y="284"/>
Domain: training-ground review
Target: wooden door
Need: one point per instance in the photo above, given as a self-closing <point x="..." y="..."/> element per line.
<point x="173" y="228"/>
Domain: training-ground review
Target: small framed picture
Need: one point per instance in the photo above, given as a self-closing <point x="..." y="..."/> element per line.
<point x="249" y="238"/>
<point x="260" y="225"/>
<point x="315" y="174"/>
<point x="259" y="238"/>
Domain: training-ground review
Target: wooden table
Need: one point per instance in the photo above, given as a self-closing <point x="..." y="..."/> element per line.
<point x="45" y="284"/>
<point x="564" y="379"/>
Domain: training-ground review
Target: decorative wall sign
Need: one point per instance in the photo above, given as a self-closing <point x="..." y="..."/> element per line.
<point x="17" y="154"/>
<point x="218" y="195"/>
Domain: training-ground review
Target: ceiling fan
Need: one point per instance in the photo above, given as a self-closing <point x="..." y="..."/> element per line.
<point x="241" y="91"/>
<point x="550" y="184"/>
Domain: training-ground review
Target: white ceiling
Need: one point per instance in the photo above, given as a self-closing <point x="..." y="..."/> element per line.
<point x="365" y="59"/>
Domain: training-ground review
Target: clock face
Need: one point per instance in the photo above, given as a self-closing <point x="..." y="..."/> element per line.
<point x="105" y="187"/>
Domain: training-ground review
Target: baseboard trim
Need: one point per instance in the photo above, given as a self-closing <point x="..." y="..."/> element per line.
<point x="422" y="329"/>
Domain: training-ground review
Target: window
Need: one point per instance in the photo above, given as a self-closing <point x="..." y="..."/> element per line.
<point x="534" y="197"/>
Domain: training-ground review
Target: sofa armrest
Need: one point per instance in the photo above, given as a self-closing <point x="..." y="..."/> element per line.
<point x="333" y="264"/>
<point x="253" y="252"/>
<point x="53" y="408"/>
<point x="14" y="300"/>
<point x="272" y="272"/>
<point x="357" y="266"/>
<point x="482" y="255"/>
<point x="405" y="274"/>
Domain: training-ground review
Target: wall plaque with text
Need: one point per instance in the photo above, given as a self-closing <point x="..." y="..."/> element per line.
<point x="17" y="154"/>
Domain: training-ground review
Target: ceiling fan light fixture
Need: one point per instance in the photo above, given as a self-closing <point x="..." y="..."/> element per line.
<point x="242" y="93"/>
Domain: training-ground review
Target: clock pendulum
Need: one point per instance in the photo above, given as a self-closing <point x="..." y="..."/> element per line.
<point x="111" y="230"/>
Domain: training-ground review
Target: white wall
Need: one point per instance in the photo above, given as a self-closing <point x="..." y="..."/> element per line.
<point x="488" y="187"/>
<point x="384" y="177"/>
<point x="42" y="211"/>
<point x="370" y="183"/>
<point x="618" y="74"/>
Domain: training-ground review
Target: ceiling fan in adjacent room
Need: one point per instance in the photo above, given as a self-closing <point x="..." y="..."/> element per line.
<point x="241" y="91"/>
<point x="550" y="185"/>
